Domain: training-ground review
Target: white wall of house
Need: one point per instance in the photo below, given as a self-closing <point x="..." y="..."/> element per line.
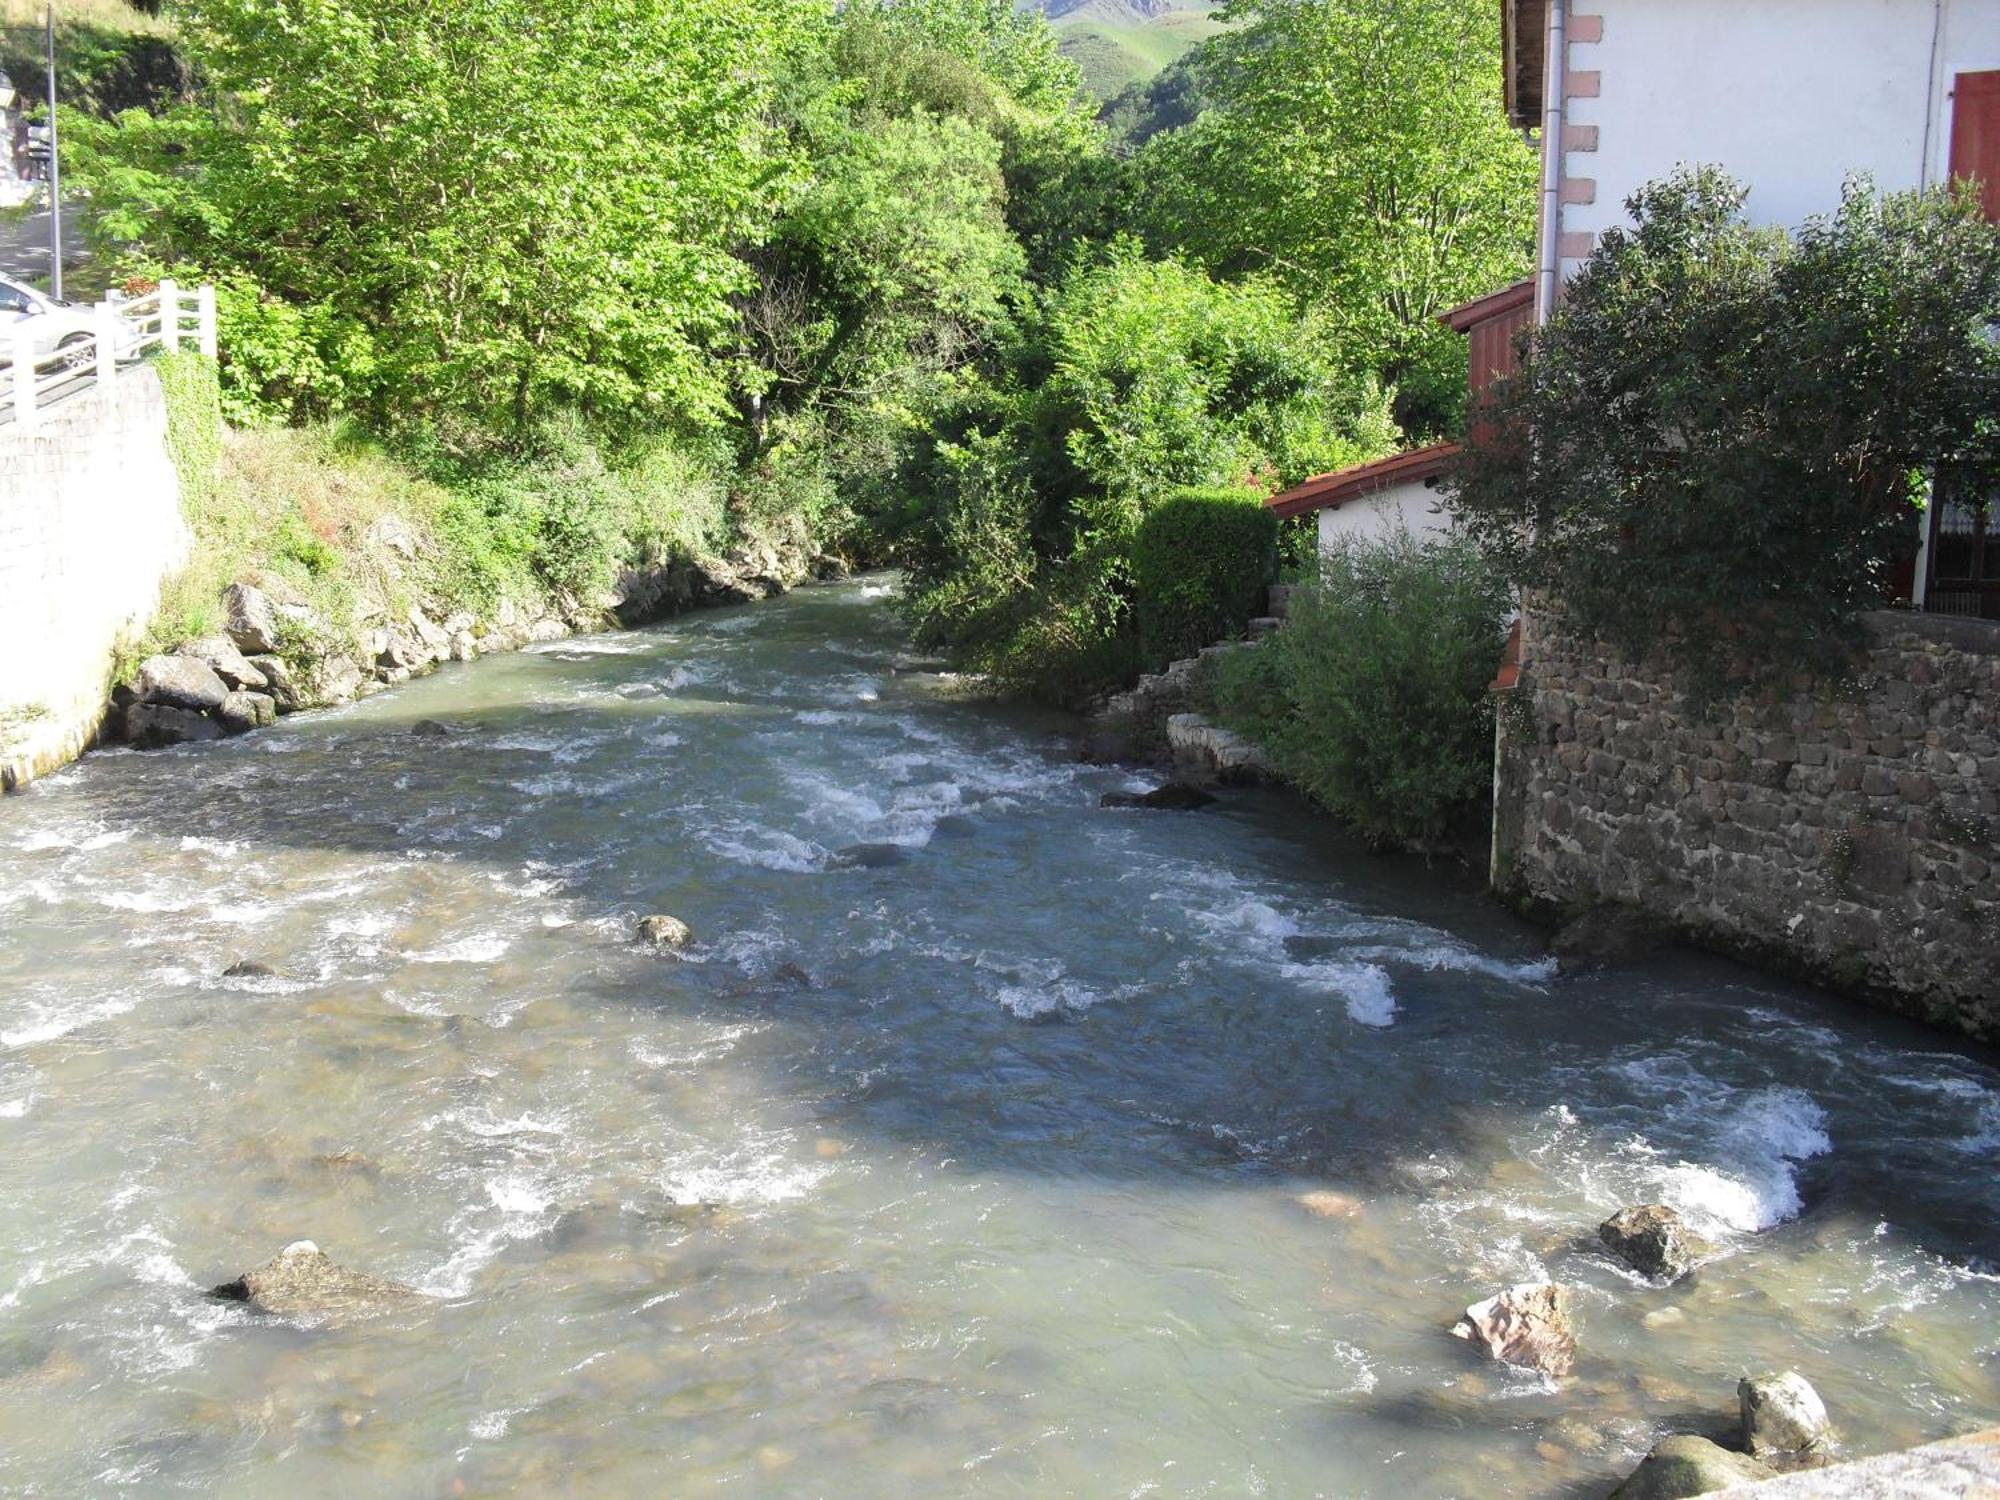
<point x="1791" y="96"/>
<point x="1408" y="507"/>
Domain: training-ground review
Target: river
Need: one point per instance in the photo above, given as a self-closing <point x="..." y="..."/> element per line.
<point x="995" y="1191"/>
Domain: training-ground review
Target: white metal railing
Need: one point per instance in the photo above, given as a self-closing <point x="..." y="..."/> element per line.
<point x="34" y="376"/>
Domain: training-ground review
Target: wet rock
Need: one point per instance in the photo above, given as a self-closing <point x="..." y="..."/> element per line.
<point x="301" y="1280"/>
<point x="665" y="932"/>
<point x="793" y="975"/>
<point x="869" y="856"/>
<point x="1684" y="1466"/>
<point x="1663" y="1317"/>
<point x="252" y="622"/>
<point x="1526" y="1325"/>
<point x="1175" y="796"/>
<point x="335" y="679"/>
<point x="220" y="655"/>
<point x="1784" y="1421"/>
<point x="153" y="726"/>
<point x="434" y="729"/>
<point x="1654" y="1241"/>
<point x="241" y="712"/>
<point x="954" y="826"/>
<point x="1603" y="936"/>
<point x="249" y="968"/>
<point x="180" y="682"/>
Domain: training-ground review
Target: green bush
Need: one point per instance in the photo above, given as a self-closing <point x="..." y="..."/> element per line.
<point x="1373" y="697"/>
<point x="1202" y="562"/>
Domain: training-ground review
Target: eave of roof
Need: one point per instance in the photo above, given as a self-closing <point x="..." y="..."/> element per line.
<point x="1331" y="491"/>
<point x="1492" y="305"/>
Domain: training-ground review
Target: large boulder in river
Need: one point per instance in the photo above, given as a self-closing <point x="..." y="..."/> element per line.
<point x="1654" y="1241"/>
<point x="1527" y="1326"/>
<point x="252" y="621"/>
<point x="153" y="726"/>
<point x="242" y="712"/>
<point x="1175" y="796"/>
<point x="180" y="681"/>
<point x="222" y="657"/>
<point x="1679" y="1467"/>
<point x="301" y="1281"/>
<point x="1603" y="936"/>
<point x="1784" y="1421"/>
<point x="666" y="932"/>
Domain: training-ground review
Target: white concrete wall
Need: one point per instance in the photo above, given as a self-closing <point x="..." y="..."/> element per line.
<point x="1790" y="95"/>
<point x="1409" y="507"/>
<point x="90" y="525"/>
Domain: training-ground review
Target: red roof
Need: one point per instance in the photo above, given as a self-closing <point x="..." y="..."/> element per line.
<point x="1493" y="305"/>
<point x="1331" y="491"/>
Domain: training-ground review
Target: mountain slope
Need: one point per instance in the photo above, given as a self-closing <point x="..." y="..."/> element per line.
<point x="1121" y="42"/>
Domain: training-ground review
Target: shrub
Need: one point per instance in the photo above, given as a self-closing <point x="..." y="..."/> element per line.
<point x="1373" y="697"/>
<point x="1202" y="562"/>
<point x="1731" y="430"/>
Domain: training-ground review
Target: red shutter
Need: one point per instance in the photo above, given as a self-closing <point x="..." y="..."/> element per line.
<point x="1975" y="135"/>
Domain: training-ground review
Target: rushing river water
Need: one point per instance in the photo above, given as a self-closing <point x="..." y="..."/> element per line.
<point x="1005" y="1200"/>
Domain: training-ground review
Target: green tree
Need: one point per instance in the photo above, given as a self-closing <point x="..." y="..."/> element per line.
<point x="1721" y="438"/>
<point x="1356" y="150"/>
<point x="493" y="209"/>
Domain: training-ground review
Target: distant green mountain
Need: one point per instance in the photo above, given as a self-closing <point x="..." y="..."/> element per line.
<point x="1118" y="43"/>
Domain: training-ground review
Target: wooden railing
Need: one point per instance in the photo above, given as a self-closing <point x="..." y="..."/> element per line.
<point x="121" y="332"/>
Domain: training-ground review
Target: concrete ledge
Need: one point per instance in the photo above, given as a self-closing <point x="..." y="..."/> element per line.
<point x="1964" y="1468"/>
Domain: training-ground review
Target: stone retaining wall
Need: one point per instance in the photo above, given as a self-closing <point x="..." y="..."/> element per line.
<point x="90" y="524"/>
<point x="1847" y="839"/>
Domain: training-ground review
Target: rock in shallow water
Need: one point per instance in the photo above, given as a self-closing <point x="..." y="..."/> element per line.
<point x="665" y="932"/>
<point x="869" y="856"/>
<point x="1603" y="936"/>
<point x="1525" y="1325"/>
<point x="1654" y="1241"/>
<point x="1784" y="1421"/>
<point x="152" y="726"/>
<point x="1175" y="796"/>
<point x="1680" y="1467"/>
<point x="179" y="681"/>
<point x="301" y="1280"/>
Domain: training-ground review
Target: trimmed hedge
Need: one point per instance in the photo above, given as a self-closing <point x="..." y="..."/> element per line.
<point x="1201" y="563"/>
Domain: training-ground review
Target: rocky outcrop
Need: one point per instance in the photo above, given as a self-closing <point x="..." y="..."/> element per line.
<point x="1527" y="1326"/>
<point x="1214" y="753"/>
<point x="301" y="1281"/>
<point x="1680" y="1467"/>
<point x="669" y="933"/>
<point x="1654" y="1241"/>
<point x="1784" y="1421"/>
<point x="229" y="683"/>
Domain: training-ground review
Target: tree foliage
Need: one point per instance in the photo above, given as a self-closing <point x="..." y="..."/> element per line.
<point x="493" y="208"/>
<point x="1723" y="435"/>
<point x="1357" y="151"/>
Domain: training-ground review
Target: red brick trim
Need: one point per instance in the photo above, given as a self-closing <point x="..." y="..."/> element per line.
<point x="1579" y="137"/>
<point x="1586" y="28"/>
<point x="1582" y="84"/>
<point x="1579" y="190"/>
<point x="1575" y="244"/>
<point x="1509" y="675"/>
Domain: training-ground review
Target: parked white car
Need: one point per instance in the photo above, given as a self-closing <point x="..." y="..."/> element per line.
<point x="55" y="327"/>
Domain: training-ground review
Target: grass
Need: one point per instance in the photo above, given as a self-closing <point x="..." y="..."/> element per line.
<point x="101" y="15"/>
<point x="1115" y="51"/>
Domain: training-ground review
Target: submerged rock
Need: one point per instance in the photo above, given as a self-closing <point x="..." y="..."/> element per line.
<point x="1784" y="1421"/>
<point x="1175" y="796"/>
<point x="870" y="856"/>
<point x="301" y="1280"/>
<point x="1679" y="1467"/>
<point x="152" y="726"/>
<point x="1605" y="935"/>
<point x="1526" y="1325"/>
<point x="665" y="932"/>
<point x="1654" y="1241"/>
<point x="433" y="729"/>
<point x="793" y="975"/>
<point x="1324" y="1203"/>
<point x="249" y="968"/>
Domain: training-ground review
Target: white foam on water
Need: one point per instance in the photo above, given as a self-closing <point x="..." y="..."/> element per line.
<point x="1364" y="988"/>
<point x="15" y="1109"/>
<point x="48" y="1021"/>
<point x="765" y="848"/>
<point x="481" y="948"/>
<point x="745" y="1179"/>
<point x="1450" y="957"/>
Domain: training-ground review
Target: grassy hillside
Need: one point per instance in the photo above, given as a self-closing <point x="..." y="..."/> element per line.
<point x="1121" y="42"/>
